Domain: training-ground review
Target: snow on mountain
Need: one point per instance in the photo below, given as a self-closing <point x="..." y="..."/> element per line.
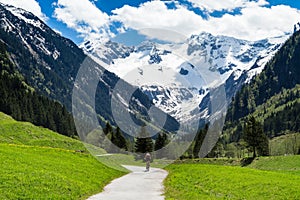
<point x="176" y="77"/>
<point x="106" y="52"/>
<point x="26" y="16"/>
<point x="34" y="40"/>
<point x="55" y="67"/>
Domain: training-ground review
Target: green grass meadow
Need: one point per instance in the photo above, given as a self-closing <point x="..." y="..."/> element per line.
<point x="25" y="133"/>
<point x="37" y="163"/>
<point x="266" y="178"/>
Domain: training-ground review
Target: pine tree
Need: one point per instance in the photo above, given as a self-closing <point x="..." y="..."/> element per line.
<point x="255" y="137"/>
<point x="107" y="129"/>
<point x="160" y="142"/>
<point x="198" y="141"/>
<point x="143" y="142"/>
<point x="118" y="139"/>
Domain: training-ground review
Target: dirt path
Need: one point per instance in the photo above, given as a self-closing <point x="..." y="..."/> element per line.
<point x="136" y="185"/>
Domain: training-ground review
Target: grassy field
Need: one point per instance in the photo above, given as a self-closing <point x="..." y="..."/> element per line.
<point x="285" y="144"/>
<point x="284" y="164"/>
<point x="266" y="178"/>
<point x="14" y="132"/>
<point x="37" y="163"/>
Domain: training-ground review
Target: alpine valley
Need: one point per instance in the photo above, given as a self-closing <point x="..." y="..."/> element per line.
<point x="178" y="78"/>
<point x="225" y="112"/>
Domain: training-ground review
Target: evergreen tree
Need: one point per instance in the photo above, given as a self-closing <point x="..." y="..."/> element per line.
<point x="143" y="142"/>
<point x="107" y="129"/>
<point x="118" y="139"/>
<point x="160" y="142"/>
<point x="255" y="137"/>
<point x="198" y="141"/>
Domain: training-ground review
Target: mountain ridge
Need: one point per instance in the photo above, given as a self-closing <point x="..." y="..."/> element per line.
<point x="234" y="62"/>
<point x="50" y="63"/>
<point x="272" y="96"/>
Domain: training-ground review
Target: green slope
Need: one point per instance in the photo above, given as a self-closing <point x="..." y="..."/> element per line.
<point x="267" y="178"/>
<point x="285" y="164"/>
<point x="22" y="102"/>
<point x="273" y="96"/>
<point x="37" y="163"/>
<point x="279" y="115"/>
<point x="14" y="132"/>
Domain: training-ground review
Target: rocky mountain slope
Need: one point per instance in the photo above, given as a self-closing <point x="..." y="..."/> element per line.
<point x="179" y="77"/>
<point x="50" y="63"/>
<point x="272" y="96"/>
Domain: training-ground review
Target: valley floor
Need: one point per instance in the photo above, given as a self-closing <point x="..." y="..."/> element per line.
<point x="266" y="178"/>
<point x="39" y="164"/>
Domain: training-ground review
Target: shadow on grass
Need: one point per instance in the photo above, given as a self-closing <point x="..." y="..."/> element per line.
<point x="246" y="161"/>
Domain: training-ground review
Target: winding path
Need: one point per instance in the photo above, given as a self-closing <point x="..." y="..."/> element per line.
<point x="136" y="185"/>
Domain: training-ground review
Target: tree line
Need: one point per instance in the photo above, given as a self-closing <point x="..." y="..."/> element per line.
<point x="110" y="135"/>
<point x="253" y="140"/>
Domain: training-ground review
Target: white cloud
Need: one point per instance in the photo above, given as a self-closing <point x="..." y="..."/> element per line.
<point x="155" y="14"/>
<point x="28" y="5"/>
<point x="228" y="5"/>
<point x="255" y="21"/>
<point x="83" y="16"/>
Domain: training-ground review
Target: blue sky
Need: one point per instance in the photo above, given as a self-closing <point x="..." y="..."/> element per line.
<point x="82" y="20"/>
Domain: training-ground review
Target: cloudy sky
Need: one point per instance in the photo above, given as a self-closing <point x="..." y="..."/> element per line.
<point x="82" y="20"/>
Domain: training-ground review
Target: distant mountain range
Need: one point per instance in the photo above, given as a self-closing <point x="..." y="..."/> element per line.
<point x="178" y="78"/>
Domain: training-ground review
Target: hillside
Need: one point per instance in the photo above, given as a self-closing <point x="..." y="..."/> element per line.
<point x="265" y="178"/>
<point x="25" y="133"/>
<point x="272" y="96"/>
<point x="285" y="164"/>
<point x="37" y="163"/>
<point x="20" y="100"/>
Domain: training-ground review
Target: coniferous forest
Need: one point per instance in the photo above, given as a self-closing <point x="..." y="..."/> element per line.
<point x="272" y="96"/>
<point x="21" y="101"/>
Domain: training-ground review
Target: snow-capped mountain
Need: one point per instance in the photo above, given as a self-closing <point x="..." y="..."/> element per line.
<point x="177" y="77"/>
<point x="32" y="23"/>
<point x="50" y="64"/>
<point x="108" y="51"/>
<point x="40" y="54"/>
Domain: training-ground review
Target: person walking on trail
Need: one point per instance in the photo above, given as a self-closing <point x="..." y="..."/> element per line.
<point x="148" y="160"/>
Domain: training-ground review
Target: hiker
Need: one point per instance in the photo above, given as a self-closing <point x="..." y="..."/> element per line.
<point x="147" y="159"/>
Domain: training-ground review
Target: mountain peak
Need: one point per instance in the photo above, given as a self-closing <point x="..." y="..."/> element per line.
<point x="24" y="15"/>
<point x="172" y="82"/>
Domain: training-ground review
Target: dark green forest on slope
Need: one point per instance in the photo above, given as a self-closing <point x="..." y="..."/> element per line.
<point x="273" y="96"/>
<point x="21" y="101"/>
<point x="272" y="101"/>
